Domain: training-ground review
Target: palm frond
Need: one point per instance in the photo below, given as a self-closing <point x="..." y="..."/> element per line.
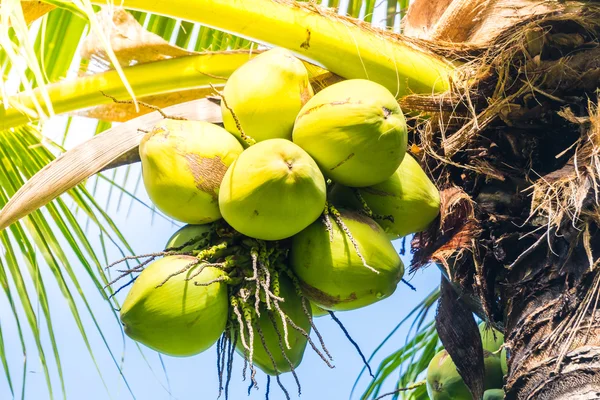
<point x="47" y="233"/>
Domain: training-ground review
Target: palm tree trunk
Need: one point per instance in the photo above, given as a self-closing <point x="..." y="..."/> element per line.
<point x="518" y="161"/>
<point x="553" y="331"/>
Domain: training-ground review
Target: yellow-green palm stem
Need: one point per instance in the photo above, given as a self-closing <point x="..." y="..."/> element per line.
<point x="338" y="44"/>
<point x="145" y="79"/>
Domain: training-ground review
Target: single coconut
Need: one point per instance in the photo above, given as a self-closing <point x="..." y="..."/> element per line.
<point x="443" y="380"/>
<point x="190" y="235"/>
<point x="265" y="95"/>
<point x="503" y="361"/>
<point x="494" y="378"/>
<point x="491" y="339"/>
<point x="355" y="131"/>
<point x="445" y="383"/>
<point x="183" y="163"/>
<point x="272" y="191"/>
<point x="493" y="394"/>
<point x="177" y="318"/>
<point x="332" y="273"/>
<point x="292" y="307"/>
<point x="408" y="197"/>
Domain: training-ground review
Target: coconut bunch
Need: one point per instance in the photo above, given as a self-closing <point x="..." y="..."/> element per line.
<point x="292" y="207"/>
<point x="445" y="383"/>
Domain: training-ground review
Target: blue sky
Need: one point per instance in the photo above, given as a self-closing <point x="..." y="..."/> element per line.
<point x="194" y="377"/>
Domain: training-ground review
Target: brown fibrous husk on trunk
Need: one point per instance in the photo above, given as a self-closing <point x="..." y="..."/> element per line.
<point x="514" y="148"/>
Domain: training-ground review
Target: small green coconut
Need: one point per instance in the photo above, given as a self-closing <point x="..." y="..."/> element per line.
<point x="491" y="339"/>
<point x="183" y="163"/>
<point x="493" y="394"/>
<point x="272" y="191"/>
<point x="331" y="272"/>
<point x="292" y="307"/>
<point x="445" y="383"/>
<point x="443" y="380"/>
<point x="408" y="196"/>
<point x="494" y="378"/>
<point x="265" y="95"/>
<point x="177" y="318"/>
<point x="187" y="234"/>
<point x="503" y="361"/>
<point x="355" y="131"/>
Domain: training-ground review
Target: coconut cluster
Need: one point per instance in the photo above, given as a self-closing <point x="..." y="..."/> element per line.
<point x="292" y="207"/>
<point x="445" y="383"/>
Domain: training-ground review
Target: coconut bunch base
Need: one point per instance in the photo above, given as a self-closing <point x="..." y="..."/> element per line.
<point x="254" y="271"/>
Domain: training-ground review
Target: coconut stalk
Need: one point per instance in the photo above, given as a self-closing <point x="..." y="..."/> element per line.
<point x="146" y="79"/>
<point x="341" y="45"/>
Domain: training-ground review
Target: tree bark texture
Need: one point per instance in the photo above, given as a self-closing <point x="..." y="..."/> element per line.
<point x="515" y="150"/>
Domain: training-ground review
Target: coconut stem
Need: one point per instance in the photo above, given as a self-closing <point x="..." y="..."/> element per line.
<point x="283" y="316"/>
<point x="412" y="386"/>
<point x="181" y="271"/>
<point x="287" y="359"/>
<point x="367" y="210"/>
<point x="307" y="336"/>
<point x="266" y="284"/>
<point x="225" y="279"/>
<point x="245" y="365"/>
<point x="338" y="219"/>
<point x="327" y="222"/>
<point x="147" y="105"/>
<point x="308" y="314"/>
<point x="249" y="319"/>
<point x="230" y="358"/>
<point x="264" y="343"/>
<point x="356" y="346"/>
<point x="268" y="387"/>
<point x="151" y="255"/>
<point x="124" y="274"/>
<point x="221" y="360"/>
<point x="222" y="265"/>
<point x="314" y="327"/>
<point x="248" y="139"/>
<point x="255" y="278"/>
<point x="219" y="374"/>
<point x="236" y="309"/>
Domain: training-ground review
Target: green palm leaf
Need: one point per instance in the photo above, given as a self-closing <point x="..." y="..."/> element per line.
<point x="45" y="232"/>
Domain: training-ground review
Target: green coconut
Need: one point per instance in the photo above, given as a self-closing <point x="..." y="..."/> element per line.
<point x="445" y="383"/>
<point x="265" y="95"/>
<point x="355" y="131"/>
<point x="493" y="394"/>
<point x="272" y="191"/>
<point x="183" y="163"/>
<point x="292" y="307"/>
<point x="332" y="273"/>
<point x="503" y="362"/>
<point x="443" y="380"/>
<point x="491" y="339"/>
<point x="177" y="318"/>
<point x="187" y="234"/>
<point x="494" y="378"/>
<point x="408" y="196"/>
<point x="317" y="311"/>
